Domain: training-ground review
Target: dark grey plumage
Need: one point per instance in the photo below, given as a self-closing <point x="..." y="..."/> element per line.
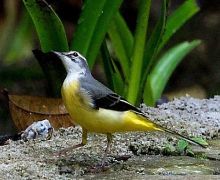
<point x="103" y="97"/>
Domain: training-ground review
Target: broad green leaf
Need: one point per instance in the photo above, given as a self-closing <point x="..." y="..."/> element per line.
<point x="155" y="38"/>
<point x="92" y="27"/>
<point x="108" y="67"/>
<point x="162" y="71"/>
<point x="125" y="33"/>
<point x="52" y="36"/>
<point x="119" y="49"/>
<point x="118" y="84"/>
<point x="182" y="145"/>
<point x="49" y="28"/>
<point x="122" y="41"/>
<point x="110" y="9"/>
<point x="178" y="18"/>
<point x="113" y="76"/>
<point x="138" y="50"/>
<point x="153" y="43"/>
<point x="85" y="29"/>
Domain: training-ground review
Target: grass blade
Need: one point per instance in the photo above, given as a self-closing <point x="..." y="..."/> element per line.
<point x="138" y="50"/>
<point x="49" y="28"/>
<point x="178" y="18"/>
<point x="163" y="69"/>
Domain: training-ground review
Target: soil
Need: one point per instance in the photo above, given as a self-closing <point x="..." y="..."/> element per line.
<point x="133" y="155"/>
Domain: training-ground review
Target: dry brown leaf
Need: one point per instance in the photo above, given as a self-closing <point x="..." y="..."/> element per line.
<point x="27" y="109"/>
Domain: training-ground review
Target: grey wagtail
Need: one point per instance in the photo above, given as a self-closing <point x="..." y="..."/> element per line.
<point x="98" y="109"/>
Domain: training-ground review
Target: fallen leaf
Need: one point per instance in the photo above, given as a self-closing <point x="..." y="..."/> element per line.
<point x="27" y="109"/>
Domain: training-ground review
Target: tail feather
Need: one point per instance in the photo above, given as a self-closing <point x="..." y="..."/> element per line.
<point x="155" y="126"/>
<point x="183" y="137"/>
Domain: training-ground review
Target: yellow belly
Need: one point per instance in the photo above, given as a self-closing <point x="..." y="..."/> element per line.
<point x="101" y="120"/>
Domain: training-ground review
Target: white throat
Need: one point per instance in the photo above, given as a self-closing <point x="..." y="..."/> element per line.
<point x="71" y="77"/>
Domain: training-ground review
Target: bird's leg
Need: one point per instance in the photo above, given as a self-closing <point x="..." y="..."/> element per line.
<point x="109" y="141"/>
<point x="101" y="168"/>
<point x="84" y="141"/>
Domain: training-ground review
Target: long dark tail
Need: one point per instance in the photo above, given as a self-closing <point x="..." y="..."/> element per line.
<point x="158" y="127"/>
<point x="183" y="137"/>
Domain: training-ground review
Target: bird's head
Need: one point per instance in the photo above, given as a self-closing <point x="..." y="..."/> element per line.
<point x="73" y="62"/>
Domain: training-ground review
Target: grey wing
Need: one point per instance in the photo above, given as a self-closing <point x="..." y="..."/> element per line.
<point x="103" y="97"/>
<point x="93" y="89"/>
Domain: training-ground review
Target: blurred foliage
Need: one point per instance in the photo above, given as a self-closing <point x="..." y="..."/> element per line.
<point x="145" y="71"/>
<point x="16" y="38"/>
<point x="134" y="64"/>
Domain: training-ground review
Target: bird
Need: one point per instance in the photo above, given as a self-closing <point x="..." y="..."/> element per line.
<point x="98" y="109"/>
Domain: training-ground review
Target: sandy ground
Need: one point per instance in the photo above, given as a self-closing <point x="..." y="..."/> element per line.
<point x="131" y="153"/>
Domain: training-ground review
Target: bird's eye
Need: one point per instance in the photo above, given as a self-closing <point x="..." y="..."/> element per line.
<point x="75" y="54"/>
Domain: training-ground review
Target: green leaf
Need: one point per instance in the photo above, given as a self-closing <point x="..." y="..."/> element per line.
<point x="91" y="12"/>
<point x="153" y="43"/>
<point x="182" y="145"/>
<point x="125" y="33"/>
<point x="178" y="18"/>
<point x="155" y="38"/>
<point x="92" y="27"/>
<point x="138" y="50"/>
<point x="162" y="71"/>
<point x="118" y="84"/>
<point x="108" y="67"/>
<point x="114" y="79"/>
<point x="49" y="28"/>
<point x="122" y="41"/>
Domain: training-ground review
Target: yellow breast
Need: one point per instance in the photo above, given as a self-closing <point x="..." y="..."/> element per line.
<point x="101" y="120"/>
